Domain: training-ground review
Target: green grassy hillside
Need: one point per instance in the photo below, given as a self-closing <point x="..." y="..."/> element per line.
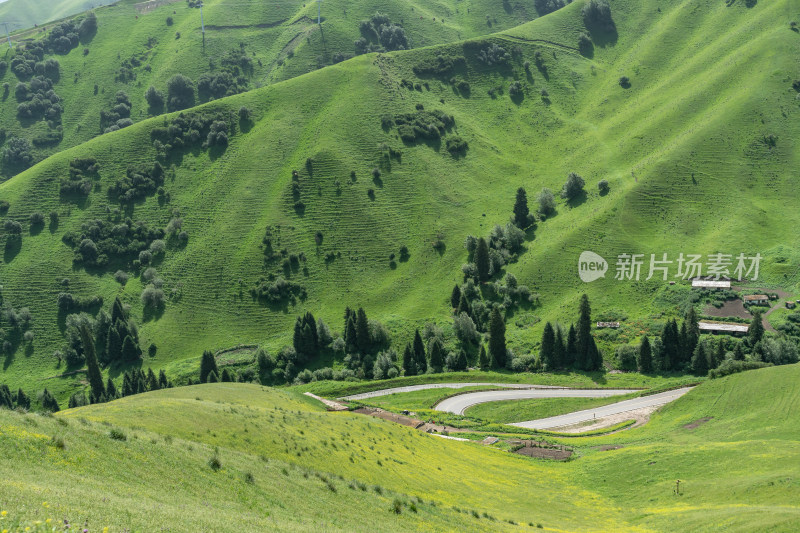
<point x="22" y="14"/>
<point x="683" y="149"/>
<point x="731" y="442"/>
<point x="282" y="41"/>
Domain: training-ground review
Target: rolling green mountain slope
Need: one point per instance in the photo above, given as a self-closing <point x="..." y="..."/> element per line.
<point x="135" y="46"/>
<point x="699" y="151"/>
<point x="731" y="442"/>
<point x="22" y="14"/>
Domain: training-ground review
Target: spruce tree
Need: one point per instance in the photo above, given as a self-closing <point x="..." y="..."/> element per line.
<point x="594" y="356"/>
<point x="49" y="403"/>
<point x="312" y="339"/>
<point x="409" y="364"/>
<point x="437" y="357"/>
<point x="101" y="325"/>
<point x="584" y="358"/>
<point x="756" y="330"/>
<point x="572" y="348"/>
<point x="362" y="332"/>
<point x="547" y="353"/>
<point x="719" y="355"/>
<point x="212" y="377"/>
<point x="118" y="312"/>
<point x="461" y="360"/>
<point x="92" y="366"/>
<point x="78" y="399"/>
<point x="561" y="349"/>
<point x="671" y="346"/>
<point x="113" y="345"/>
<point x="208" y="364"/>
<point x="351" y="339"/>
<point x="419" y="354"/>
<point x="111" y="390"/>
<point x="497" y="339"/>
<point x="521" y="211"/>
<point x="226" y="376"/>
<point x="455" y="297"/>
<point x="483" y="359"/>
<point x="152" y="380"/>
<point x="645" y="356"/>
<point x="685" y="356"/>
<point x="347" y="313"/>
<point x="482" y="261"/>
<point x="23" y="401"/>
<point x="6" y="400"/>
<point x="297" y="338"/>
<point x="700" y="360"/>
<point x="163" y="382"/>
<point x="130" y="351"/>
<point x="127" y="385"/>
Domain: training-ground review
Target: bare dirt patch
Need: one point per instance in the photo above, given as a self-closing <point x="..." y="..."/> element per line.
<point x="698" y="423"/>
<point x="540" y="450"/>
<point x="607" y="447"/>
<point x="734" y="308"/>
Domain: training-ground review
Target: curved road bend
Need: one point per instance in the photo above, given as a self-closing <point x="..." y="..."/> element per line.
<point x="458" y="404"/>
<point x="412" y="388"/>
<point x="654" y="400"/>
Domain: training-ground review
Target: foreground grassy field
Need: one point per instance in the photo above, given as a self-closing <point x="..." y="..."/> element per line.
<point x="731" y="442"/>
<point x="689" y="130"/>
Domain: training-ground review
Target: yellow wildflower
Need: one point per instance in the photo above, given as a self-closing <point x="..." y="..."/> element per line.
<point x="48" y="520"/>
<point x="4" y="513"/>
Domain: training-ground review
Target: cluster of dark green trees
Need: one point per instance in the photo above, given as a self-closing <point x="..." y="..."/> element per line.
<point x="578" y="350"/>
<point x="134" y="381"/>
<point x="209" y="371"/>
<point x="10" y="400"/>
<point x="685" y="350"/>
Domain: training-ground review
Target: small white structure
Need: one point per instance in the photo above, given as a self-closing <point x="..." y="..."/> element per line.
<point x="601" y="325"/>
<point x="711" y="284"/>
<point x="723" y="327"/>
<point x="756" y="299"/>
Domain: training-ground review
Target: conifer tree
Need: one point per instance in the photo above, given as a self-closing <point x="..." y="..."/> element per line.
<point x="23" y="400"/>
<point x="756" y="330"/>
<point x="111" y="390"/>
<point x="561" y="349"/>
<point x="547" y="352"/>
<point x="114" y="345"/>
<point x="455" y="297"/>
<point x="152" y="380"/>
<point x="6" y="400"/>
<point x="483" y="359"/>
<point x="212" y="377"/>
<point x="419" y="354"/>
<point x="130" y="351"/>
<point x="521" y="211"/>
<point x="92" y="366"/>
<point x="719" y="356"/>
<point x="482" y="261"/>
<point x="128" y="385"/>
<point x="352" y="336"/>
<point x="163" y="382"/>
<point x="208" y="364"/>
<point x="738" y="352"/>
<point x="409" y="364"/>
<point x="572" y="347"/>
<point x="594" y="356"/>
<point x="118" y="312"/>
<point x="461" y="360"/>
<point x="78" y="399"/>
<point x="685" y="356"/>
<point x="49" y="403"/>
<point x="226" y="376"/>
<point x="437" y="357"/>
<point x="700" y="360"/>
<point x="645" y="356"/>
<point x="101" y="325"/>
<point x="670" y="342"/>
<point x="497" y="339"/>
<point x="363" y="339"/>
<point x="584" y="357"/>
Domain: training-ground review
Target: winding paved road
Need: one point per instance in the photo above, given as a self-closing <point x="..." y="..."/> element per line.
<point x="654" y="400"/>
<point x="412" y="388"/>
<point x="458" y="404"/>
